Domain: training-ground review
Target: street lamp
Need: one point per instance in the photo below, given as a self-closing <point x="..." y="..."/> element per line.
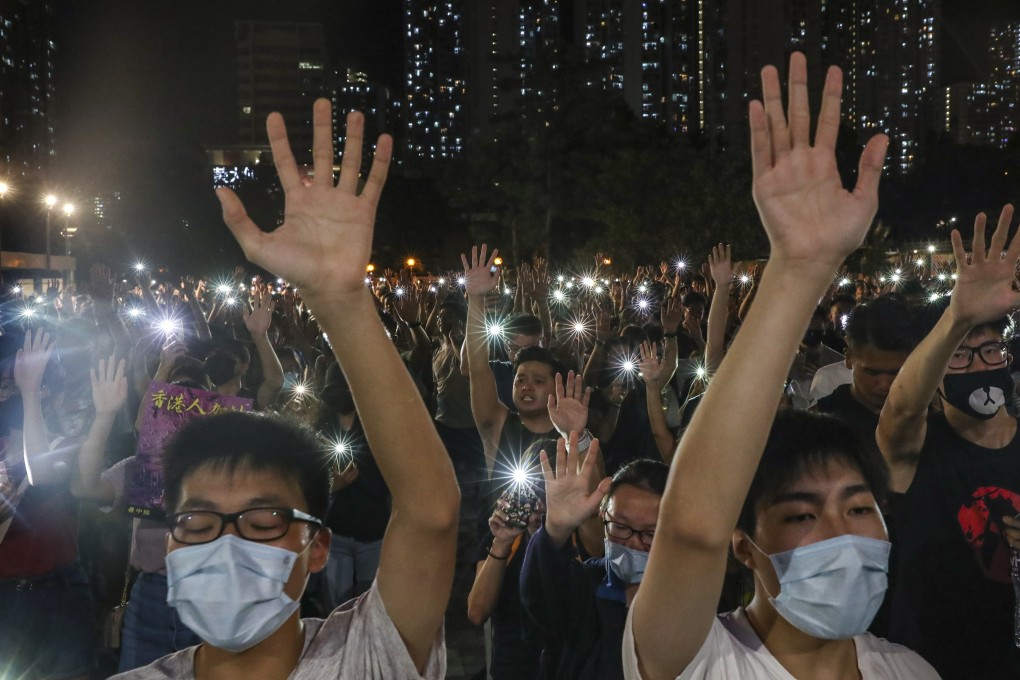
<point x="49" y="202"/>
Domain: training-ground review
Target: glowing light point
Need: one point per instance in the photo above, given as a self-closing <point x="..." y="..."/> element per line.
<point x="941" y="277"/>
<point x="934" y="297"/>
<point x="643" y="304"/>
<point x="231" y="301"/>
<point x="588" y="282"/>
<point x="399" y="292"/>
<point x="700" y="372"/>
<point x="570" y="284"/>
<point x="461" y="281"/>
<point x="139" y="266"/>
<point x="579" y="327"/>
<point x="560" y="278"/>
<point x="745" y="279"/>
<point x="559" y="295"/>
<point x="134" y="312"/>
<point x="340" y="448"/>
<point x="27" y="313"/>
<point x="494" y="330"/>
<point x="599" y="290"/>
<point x="224" y="289"/>
<point x="954" y="277"/>
<point x="16" y="290"/>
<point x="843" y="282"/>
<point x="931" y="249"/>
<point x="442" y="282"/>
<point x="642" y="288"/>
<point x="629" y="366"/>
<point x="498" y="261"/>
<point x="895" y="278"/>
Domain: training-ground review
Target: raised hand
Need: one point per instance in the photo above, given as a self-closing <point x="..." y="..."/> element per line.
<point x="810" y="218"/>
<point x="568" y="406"/>
<point x="984" y="289"/>
<point x="478" y="275"/>
<point x="650" y="364"/>
<point x="693" y="327"/>
<point x="671" y="313"/>
<point x="569" y="499"/>
<point x="31" y="360"/>
<point x="720" y="265"/>
<point x="326" y="236"/>
<point x="109" y="386"/>
<point x="260" y="318"/>
<point x="499" y="523"/>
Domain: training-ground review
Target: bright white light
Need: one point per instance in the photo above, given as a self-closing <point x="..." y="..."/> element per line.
<point x="561" y="278"/>
<point x="520" y="476"/>
<point x="920" y="262"/>
<point x="588" y="282"/>
<point x="941" y="277"/>
<point x="895" y="278"/>
<point x="579" y="327"/>
<point x="280" y="282"/>
<point x="399" y="292"/>
<point x="899" y="271"/>
<point x="745" y="279"/>
<point x="643" y="304"/>
<point x="559" y="295"/>
<point x="368" y="282"/>
<point x="700" y="371"/>
<point x="599" y="290"/>
<point x="843" y="282"/>
<point x="27" y="312"/>
<point x="340" y="448"/>
<point x="231" y="301"/>
<point x="642" y="288"/>
<point x="152" y="282"/>
<point x="494" y="330"/>
<point x="16" y="290"/>
<point x="507" y="291"/>
<point x="931" y="249"/>
<point x="570" y="284"/>
<point x="134" y="312"/>
<point x="442" y="282"/>
<point x="629" y="366"/>
<point x="934" y="297"/>
<point x="140" y="266"/>
<point x="432" y="289"/>
<point x="40" y="300"/>
<point x="224" y="289"/>
<point x="300" y="389"/>
<point x="680" y="265"/>
<point x="954" y="277"/>
<point x="461" y="281"/>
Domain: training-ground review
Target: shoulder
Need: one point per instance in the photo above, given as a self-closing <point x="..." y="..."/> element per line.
<point x="878" y="658"/>
<point x="177" y="666"/>
<point x="359" y="639"/>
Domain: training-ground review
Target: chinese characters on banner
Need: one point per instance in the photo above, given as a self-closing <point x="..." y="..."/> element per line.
<point x="166" y="409"/>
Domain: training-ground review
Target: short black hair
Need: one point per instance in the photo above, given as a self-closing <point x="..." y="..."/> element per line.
<point x="543" y="356"/>
<point x="523" y="324"/>
<point x="644" y="473"/>
<point x="457" y="309"/>
<point x="884" y="324"/>
<point x="693" y="298"/>
<point x="802" y="441"/>
<point x="247" y="441"/>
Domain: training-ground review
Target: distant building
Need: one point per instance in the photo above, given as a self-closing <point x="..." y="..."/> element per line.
<point x="26" y="86"/>
<point x="281" y="66"/>
<point x="353" y="91"/>
<point x="435" y="78"/>
<point x="1005" y="81"/>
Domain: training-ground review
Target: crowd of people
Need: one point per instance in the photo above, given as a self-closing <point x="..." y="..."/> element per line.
<point x="757" y="469"/>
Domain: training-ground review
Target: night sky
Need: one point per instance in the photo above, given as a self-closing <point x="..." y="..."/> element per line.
<point x="138" y="82"/>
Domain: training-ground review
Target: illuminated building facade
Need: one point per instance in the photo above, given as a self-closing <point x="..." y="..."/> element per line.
<point x="434" y="105"/>
<point x="26" y="85"/>
<point x="353" y="91"/>
<point x="1004" y="82"/>
<point x="281" y="66"/>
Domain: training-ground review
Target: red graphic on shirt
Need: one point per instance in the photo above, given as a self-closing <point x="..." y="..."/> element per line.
<point x="981" y="522"/>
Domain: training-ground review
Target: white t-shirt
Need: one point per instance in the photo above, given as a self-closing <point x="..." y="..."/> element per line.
<point x="358" y="641"/>
<point x="733" y="650"/>
<point x="827" y="379"/>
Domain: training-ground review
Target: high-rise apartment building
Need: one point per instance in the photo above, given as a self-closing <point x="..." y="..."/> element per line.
<point x="281" y="66"/>
<point x="1004" y="82"/>
<point x="435" y="78"/>
<point x="26" y="85"/>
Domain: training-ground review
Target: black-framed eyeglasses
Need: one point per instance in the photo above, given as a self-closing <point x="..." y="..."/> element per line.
<point x="622" y="532"/>
<point x="992" y="353"/>
<point x="254" y="524"/>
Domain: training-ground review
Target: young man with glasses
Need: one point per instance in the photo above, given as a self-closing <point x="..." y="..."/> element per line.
<point x="246" y="494"/>
<point x="958" y="469"/>
<point x="580" y="608"/>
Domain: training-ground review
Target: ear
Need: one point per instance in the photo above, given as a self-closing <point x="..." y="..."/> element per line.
<point x="318" y="553"/>
<point x="742" y="549"/>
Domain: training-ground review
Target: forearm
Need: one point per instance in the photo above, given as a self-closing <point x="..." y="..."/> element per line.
<point x="272" y="369"/>
<point x="484" y="593"/>
<point x="593" y="365"/>
<point x="201" y="323"/>
<point x="718" y="316"/>
<point x="39" y="460"/>
<point x="918" y="379"/>
<point x="719" y="460"/>
<point x="87" y="480"/>
<point x="392" y="413"/>
<point x="664" y="440"/>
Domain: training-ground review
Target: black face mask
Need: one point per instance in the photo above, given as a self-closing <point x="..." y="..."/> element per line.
<point x="980" y="394"/>
<point x="813" y="338"/>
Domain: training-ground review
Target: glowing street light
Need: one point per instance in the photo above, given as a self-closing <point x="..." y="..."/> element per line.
<point x="498" y="261"/>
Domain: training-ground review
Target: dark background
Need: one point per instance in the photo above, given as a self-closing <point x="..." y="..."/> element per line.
<point x="142" y="87"/>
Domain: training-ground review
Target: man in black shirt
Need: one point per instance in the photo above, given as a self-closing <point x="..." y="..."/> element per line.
<point x="959" y="471"/>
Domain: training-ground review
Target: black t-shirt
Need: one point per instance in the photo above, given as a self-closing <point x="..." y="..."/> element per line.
<point x="951" y="593"/>
<point x="843" y="405"/>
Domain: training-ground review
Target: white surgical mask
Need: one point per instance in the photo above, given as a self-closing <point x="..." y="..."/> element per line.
<point x="832" y="589"/>
<point x="627" y="563"/>
<point x="230" y="591"/>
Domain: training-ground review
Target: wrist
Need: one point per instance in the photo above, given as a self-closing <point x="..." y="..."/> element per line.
<point x="501" y="545"/>
<point x="558" y="535"/>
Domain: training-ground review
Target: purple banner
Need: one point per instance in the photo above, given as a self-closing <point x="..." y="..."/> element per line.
<point x="165" y="409"/>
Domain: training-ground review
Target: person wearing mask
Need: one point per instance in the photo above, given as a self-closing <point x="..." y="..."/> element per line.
<point x="246" y="495"/>
<point x="796" y="498"/>
<point x="959" y="472"/>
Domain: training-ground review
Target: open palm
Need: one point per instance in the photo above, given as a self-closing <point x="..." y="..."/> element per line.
<point x="325" y="240"/>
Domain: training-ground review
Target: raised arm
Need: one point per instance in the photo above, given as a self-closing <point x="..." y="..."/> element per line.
<point x="488" y="412"/>
<point x="323" y="247"/>
<point x="720" y="265"/>
<point x="812" y="224"/>
<point x="257" y="320"/>
<point x="44" y="466"/>
<point x="109" y="393"/>
<point x="656" y="374"/>
<point x="983" y="292"/>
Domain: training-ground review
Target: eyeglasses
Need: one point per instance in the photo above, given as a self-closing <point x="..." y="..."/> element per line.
<point x="622" y="532"/>
<point x="254" y="524"/>
<point x="992" y="354"/>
